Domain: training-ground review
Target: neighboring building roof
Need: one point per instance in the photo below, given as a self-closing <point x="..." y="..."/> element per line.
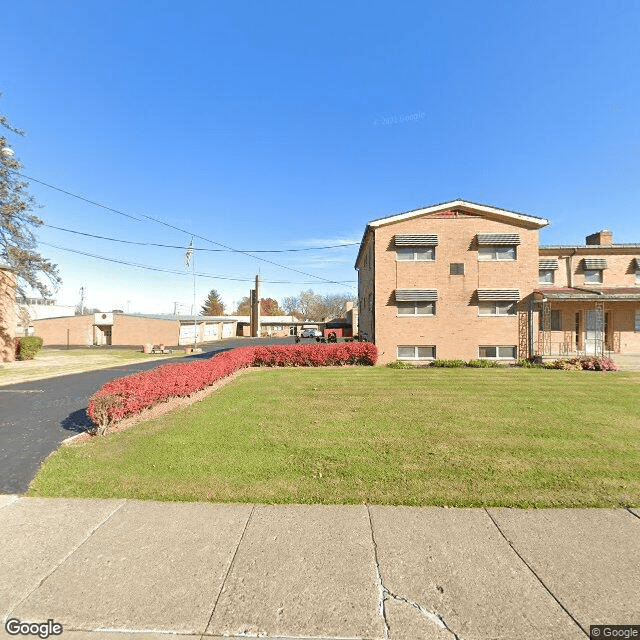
<point x="183" y="318"/>
<point x="462" y="205"/>
<point x="582" y="293"/>
<point x="271" y="320"/>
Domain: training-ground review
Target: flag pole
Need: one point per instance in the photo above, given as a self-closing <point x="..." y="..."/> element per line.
<point x="195" y="327"/>
<point x="189" y="259"/>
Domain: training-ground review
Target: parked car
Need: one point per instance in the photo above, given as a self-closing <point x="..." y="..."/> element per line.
<point x="311" y="333"/>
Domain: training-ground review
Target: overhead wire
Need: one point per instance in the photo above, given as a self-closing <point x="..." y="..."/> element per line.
<point x="175" y="246"/>
<point x="174" y="271"/>
<point x="170" y="226"/>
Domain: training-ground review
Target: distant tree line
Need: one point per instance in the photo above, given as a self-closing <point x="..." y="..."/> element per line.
<point x="313" y="306"/>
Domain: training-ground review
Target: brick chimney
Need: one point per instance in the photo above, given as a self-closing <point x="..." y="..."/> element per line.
<point x="603" y="238"/>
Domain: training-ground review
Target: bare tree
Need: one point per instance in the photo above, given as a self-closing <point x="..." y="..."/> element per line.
<point x="313" y="306"/>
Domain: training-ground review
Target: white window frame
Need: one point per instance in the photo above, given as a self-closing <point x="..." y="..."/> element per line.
<point x="416" y="310"/>
<point x="637" y="321"/>
<point x="497" y="308"/>
<point x="491" y="252"/>
<point x="416" y="353"/>
<point x="497" y="347"/>
<point x="416" y="254"/>
<point x="598" y="273"/>
<point x="548" y="272"/>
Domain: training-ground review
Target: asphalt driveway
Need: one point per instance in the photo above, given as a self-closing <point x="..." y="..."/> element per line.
<point x="36" y="416"/>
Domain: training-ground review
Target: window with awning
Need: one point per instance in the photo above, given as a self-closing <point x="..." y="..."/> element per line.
<point x="416" y="295"/>
<point x="498" y="294"/>
<point x="485" y="239"/>
<point x="415" y="247"/>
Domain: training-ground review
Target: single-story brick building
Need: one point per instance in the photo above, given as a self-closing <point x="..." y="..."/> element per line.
<point x="128" y="329"/>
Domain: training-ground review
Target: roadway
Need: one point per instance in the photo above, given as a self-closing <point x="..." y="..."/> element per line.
<point x="36" y="416"/>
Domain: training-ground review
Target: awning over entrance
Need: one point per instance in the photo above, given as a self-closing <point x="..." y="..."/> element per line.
<point x="582" y="293"/>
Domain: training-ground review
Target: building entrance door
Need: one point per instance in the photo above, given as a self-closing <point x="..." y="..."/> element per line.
<point x="592" y="333"/>
<point x="102" y="335"/>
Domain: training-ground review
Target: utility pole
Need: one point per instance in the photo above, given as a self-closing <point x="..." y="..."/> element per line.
<point x="255" y="309"/>
<point x="81" y="300"/>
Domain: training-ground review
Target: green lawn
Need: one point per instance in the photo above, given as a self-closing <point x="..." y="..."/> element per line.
<point x="459" y="437"/>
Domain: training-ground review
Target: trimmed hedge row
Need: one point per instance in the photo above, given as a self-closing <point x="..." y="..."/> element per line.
<point x="127" y="396"/>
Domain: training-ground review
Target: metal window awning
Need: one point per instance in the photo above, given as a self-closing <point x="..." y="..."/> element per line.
<point x="416" y="295"/>
<point x="430" y="240"/>
<point x="594" y="263"/>
<point x="509" y="295"/>
<point x="498" y="239"/>
<point x="551" y="263"/>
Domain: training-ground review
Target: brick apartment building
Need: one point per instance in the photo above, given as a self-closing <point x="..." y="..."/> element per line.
<point x="464" y="280"/>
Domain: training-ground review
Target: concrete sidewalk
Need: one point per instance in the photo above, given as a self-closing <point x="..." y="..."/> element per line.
<point x="141" y="570"/>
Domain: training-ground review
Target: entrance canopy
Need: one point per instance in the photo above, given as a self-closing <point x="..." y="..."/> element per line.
<point x="582" y="293"/>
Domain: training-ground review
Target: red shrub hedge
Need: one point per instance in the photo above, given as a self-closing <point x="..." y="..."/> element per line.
<point x="127" y="396"/>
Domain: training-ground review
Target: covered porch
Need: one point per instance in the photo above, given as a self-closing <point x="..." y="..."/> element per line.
<point x="573" y="322"/>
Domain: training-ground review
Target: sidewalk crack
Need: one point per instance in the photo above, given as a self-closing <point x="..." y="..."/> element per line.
<point x="66" y="557"/>
<point x="385" y="593"/>
<point x="633" y="513"/>
<point x="226" y="575"/>
<point x="538" y="578"/>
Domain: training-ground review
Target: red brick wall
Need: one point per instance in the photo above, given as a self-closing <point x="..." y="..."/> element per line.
<point x="7" y="315"/>
<point x="54" y="330"/>
<point x="139" y="331"/>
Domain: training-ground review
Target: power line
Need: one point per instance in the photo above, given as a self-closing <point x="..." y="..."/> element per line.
<point x="174" y="246"/>
<point x="166" y="224"/>
<point x="175" y="271"/>
<point x="74" y="195"/>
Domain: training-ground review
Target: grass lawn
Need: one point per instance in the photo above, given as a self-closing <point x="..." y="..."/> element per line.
<point x="59" y="362"/>
<point x="458" y="437"/>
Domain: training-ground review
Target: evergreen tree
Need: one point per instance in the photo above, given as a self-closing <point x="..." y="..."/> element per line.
<point x="213" y="305"/>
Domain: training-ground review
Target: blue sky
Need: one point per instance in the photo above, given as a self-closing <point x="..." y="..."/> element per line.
<point x="287" y="125"/>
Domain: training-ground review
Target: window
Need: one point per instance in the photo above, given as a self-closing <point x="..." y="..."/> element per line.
<point x="456" y="269"/>
<point x="497" y="352"/>
<point x="637" y="276"/>
<point x="556" y="320"/>
<point x="637" y="323"/>
<point x="416" y="352"/>
<point x="593" y="276"/>
<point x="546" y="276"/>
<point x="497" y="252"/>
<point x="416" y="308"/>
<point x="496" y="308"/>
<point x="415" y="253"/>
